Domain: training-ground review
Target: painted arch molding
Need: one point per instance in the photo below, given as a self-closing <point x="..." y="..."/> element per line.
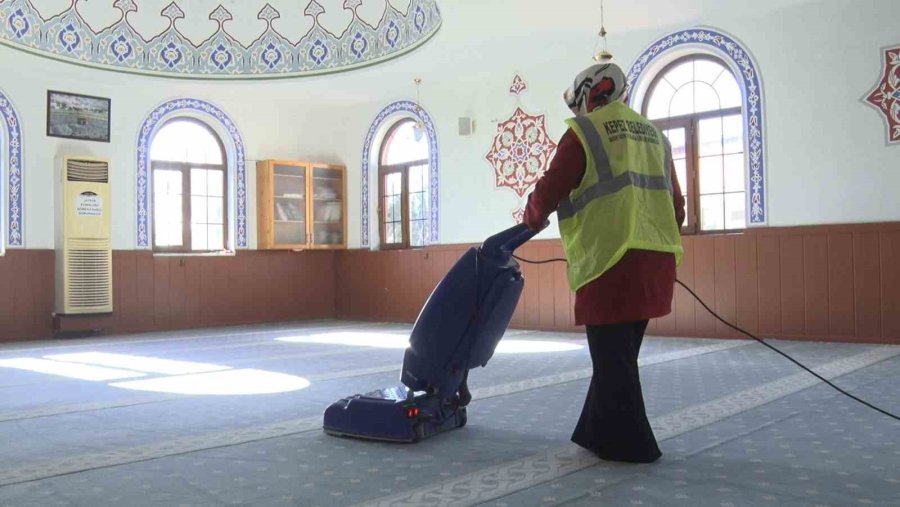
<point x="69" y="37"/>
<point x="236" y="155"/>
<point x="745" y="69"/>
<point x="394" y="111"/>
<point x="11" y="178"/>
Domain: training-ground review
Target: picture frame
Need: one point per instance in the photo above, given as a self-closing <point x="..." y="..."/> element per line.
<point x="76" y="116"/>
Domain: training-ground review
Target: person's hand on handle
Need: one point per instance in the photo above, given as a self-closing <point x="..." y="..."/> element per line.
<point x="534" y="220"/>
<point x="536" y="225"/>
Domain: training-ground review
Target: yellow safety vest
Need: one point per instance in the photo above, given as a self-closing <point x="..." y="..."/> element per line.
<point x="624" y="201"/>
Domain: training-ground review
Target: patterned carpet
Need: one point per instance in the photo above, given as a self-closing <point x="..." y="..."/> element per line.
<point x="233" y="417"/>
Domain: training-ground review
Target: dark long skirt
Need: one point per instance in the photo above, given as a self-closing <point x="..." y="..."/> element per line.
<point x="613" y="422"/>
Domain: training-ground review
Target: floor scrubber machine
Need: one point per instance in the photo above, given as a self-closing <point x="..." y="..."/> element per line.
<point x="457" y="330"/>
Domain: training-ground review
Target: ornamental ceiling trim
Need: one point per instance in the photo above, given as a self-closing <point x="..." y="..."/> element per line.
<point x="68" y="37"/>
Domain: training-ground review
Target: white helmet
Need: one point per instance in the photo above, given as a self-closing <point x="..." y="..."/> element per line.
<point x="604" y="81"/>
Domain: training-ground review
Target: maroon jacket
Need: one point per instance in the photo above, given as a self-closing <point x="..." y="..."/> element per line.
<point x="638" y="287"/>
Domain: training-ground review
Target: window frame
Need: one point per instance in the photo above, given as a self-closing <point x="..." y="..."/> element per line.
<point x="691" y="124"/>
<point x="185" y="169"/>
<point x="403" y="169"/>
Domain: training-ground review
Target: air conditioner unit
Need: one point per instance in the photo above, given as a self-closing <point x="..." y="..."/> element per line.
<point x="83" y="237"/>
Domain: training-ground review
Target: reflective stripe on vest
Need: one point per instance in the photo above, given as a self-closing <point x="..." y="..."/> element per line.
<point x="608" y="184"/>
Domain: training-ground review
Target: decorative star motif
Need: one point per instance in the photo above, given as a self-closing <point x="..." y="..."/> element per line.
<point x="122" y="48"/>
<point x="318" y="52"/>
<point x="392" y="36"/>
<point x="173" y="12"/>
<point x="518" y="85"/>
<point x="314" y="9"/>
<point x="221" y="57"/>
<point x="19" y="24"/>
<point x="419" y="19"/>
<point x="171" y="55"/>
<point x="272" y="56"/>
<point x="125" y="6"/>
<point x="221" y="15"/>
<point x="352" y="4"/>
<point x="268" y="13"/>
<point x="885" y="97"/>
<point x="521" y="151"/>
<point x="69" y="38"/>
<point x="359" y="45"/>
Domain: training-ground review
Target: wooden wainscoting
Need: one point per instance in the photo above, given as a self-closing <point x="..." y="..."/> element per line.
<point x="26" y="294"/>
<point x="392" y="285"/>
<point x="838" y="283"/>
<point x="834" y="283"/>
<point x="153" y="293"/>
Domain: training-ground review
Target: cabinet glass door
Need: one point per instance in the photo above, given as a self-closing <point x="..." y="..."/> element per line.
<point x="328" y="206"/>
<point x="289" y="204"/>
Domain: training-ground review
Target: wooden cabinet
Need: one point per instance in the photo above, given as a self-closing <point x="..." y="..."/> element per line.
<point x="301" y="205"/>
<point x="328" y="206"/>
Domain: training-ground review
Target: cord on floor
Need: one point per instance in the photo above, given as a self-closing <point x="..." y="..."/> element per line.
<point x="760" y="340"/>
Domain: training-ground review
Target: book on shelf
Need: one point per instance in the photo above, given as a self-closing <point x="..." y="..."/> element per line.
<point x="280" y="212"/>
<point x="326" y="191"/>
<point x="293" y="210"/>
<point x="289" y="174"/>
<point x="328" y="212"/>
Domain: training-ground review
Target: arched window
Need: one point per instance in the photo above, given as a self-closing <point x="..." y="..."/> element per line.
<point x="403" y="186"/>
<point x="188" y="174"/>
<point x="696" y="102"/>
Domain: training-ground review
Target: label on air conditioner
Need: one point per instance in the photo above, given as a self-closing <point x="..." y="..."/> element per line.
<point x="89" y="204"/>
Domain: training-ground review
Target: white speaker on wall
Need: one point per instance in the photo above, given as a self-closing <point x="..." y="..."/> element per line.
<point x="466" y="126"/>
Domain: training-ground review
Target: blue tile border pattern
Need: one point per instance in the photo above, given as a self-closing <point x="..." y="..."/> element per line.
<point x="67" y="36"/>
<point x="408" y="108"/>
<point x="235" y="141"/>
<point x="739" y="58"/>
<point x="11" y="173"/>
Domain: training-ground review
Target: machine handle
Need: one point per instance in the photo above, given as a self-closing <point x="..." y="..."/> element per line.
<point x="503" y="244"/>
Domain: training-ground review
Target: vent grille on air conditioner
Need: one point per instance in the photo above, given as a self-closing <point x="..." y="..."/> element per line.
<point x="90" y="277"/>
<point x="87" y="170"/>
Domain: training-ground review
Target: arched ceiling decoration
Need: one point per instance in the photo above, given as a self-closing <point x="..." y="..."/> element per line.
<point x="328" y="42"/>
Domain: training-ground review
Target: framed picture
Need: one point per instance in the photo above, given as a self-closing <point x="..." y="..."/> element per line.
<point x="75" y="116"/>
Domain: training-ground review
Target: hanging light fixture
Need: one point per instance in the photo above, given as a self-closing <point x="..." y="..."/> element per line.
<point x="601" y="53"/>
<point x="419" y="127"/>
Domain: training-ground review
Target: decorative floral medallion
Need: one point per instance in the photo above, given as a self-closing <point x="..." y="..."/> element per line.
<point x="885" y="97"/>
<point x="521" y="151"/>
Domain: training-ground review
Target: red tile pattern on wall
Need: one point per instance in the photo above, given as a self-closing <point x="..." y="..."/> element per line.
<point x="154" y="293"/>
<point x="839" y="282"/>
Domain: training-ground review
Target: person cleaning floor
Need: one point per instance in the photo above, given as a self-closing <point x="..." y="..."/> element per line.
<point x="614" y="188"/>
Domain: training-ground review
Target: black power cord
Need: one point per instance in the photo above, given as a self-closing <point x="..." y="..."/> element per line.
<point x="760" y="340"/>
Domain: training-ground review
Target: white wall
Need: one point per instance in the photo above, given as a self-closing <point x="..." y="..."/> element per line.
<point x="827" y="159"/>
<point x="277" y="120"/>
